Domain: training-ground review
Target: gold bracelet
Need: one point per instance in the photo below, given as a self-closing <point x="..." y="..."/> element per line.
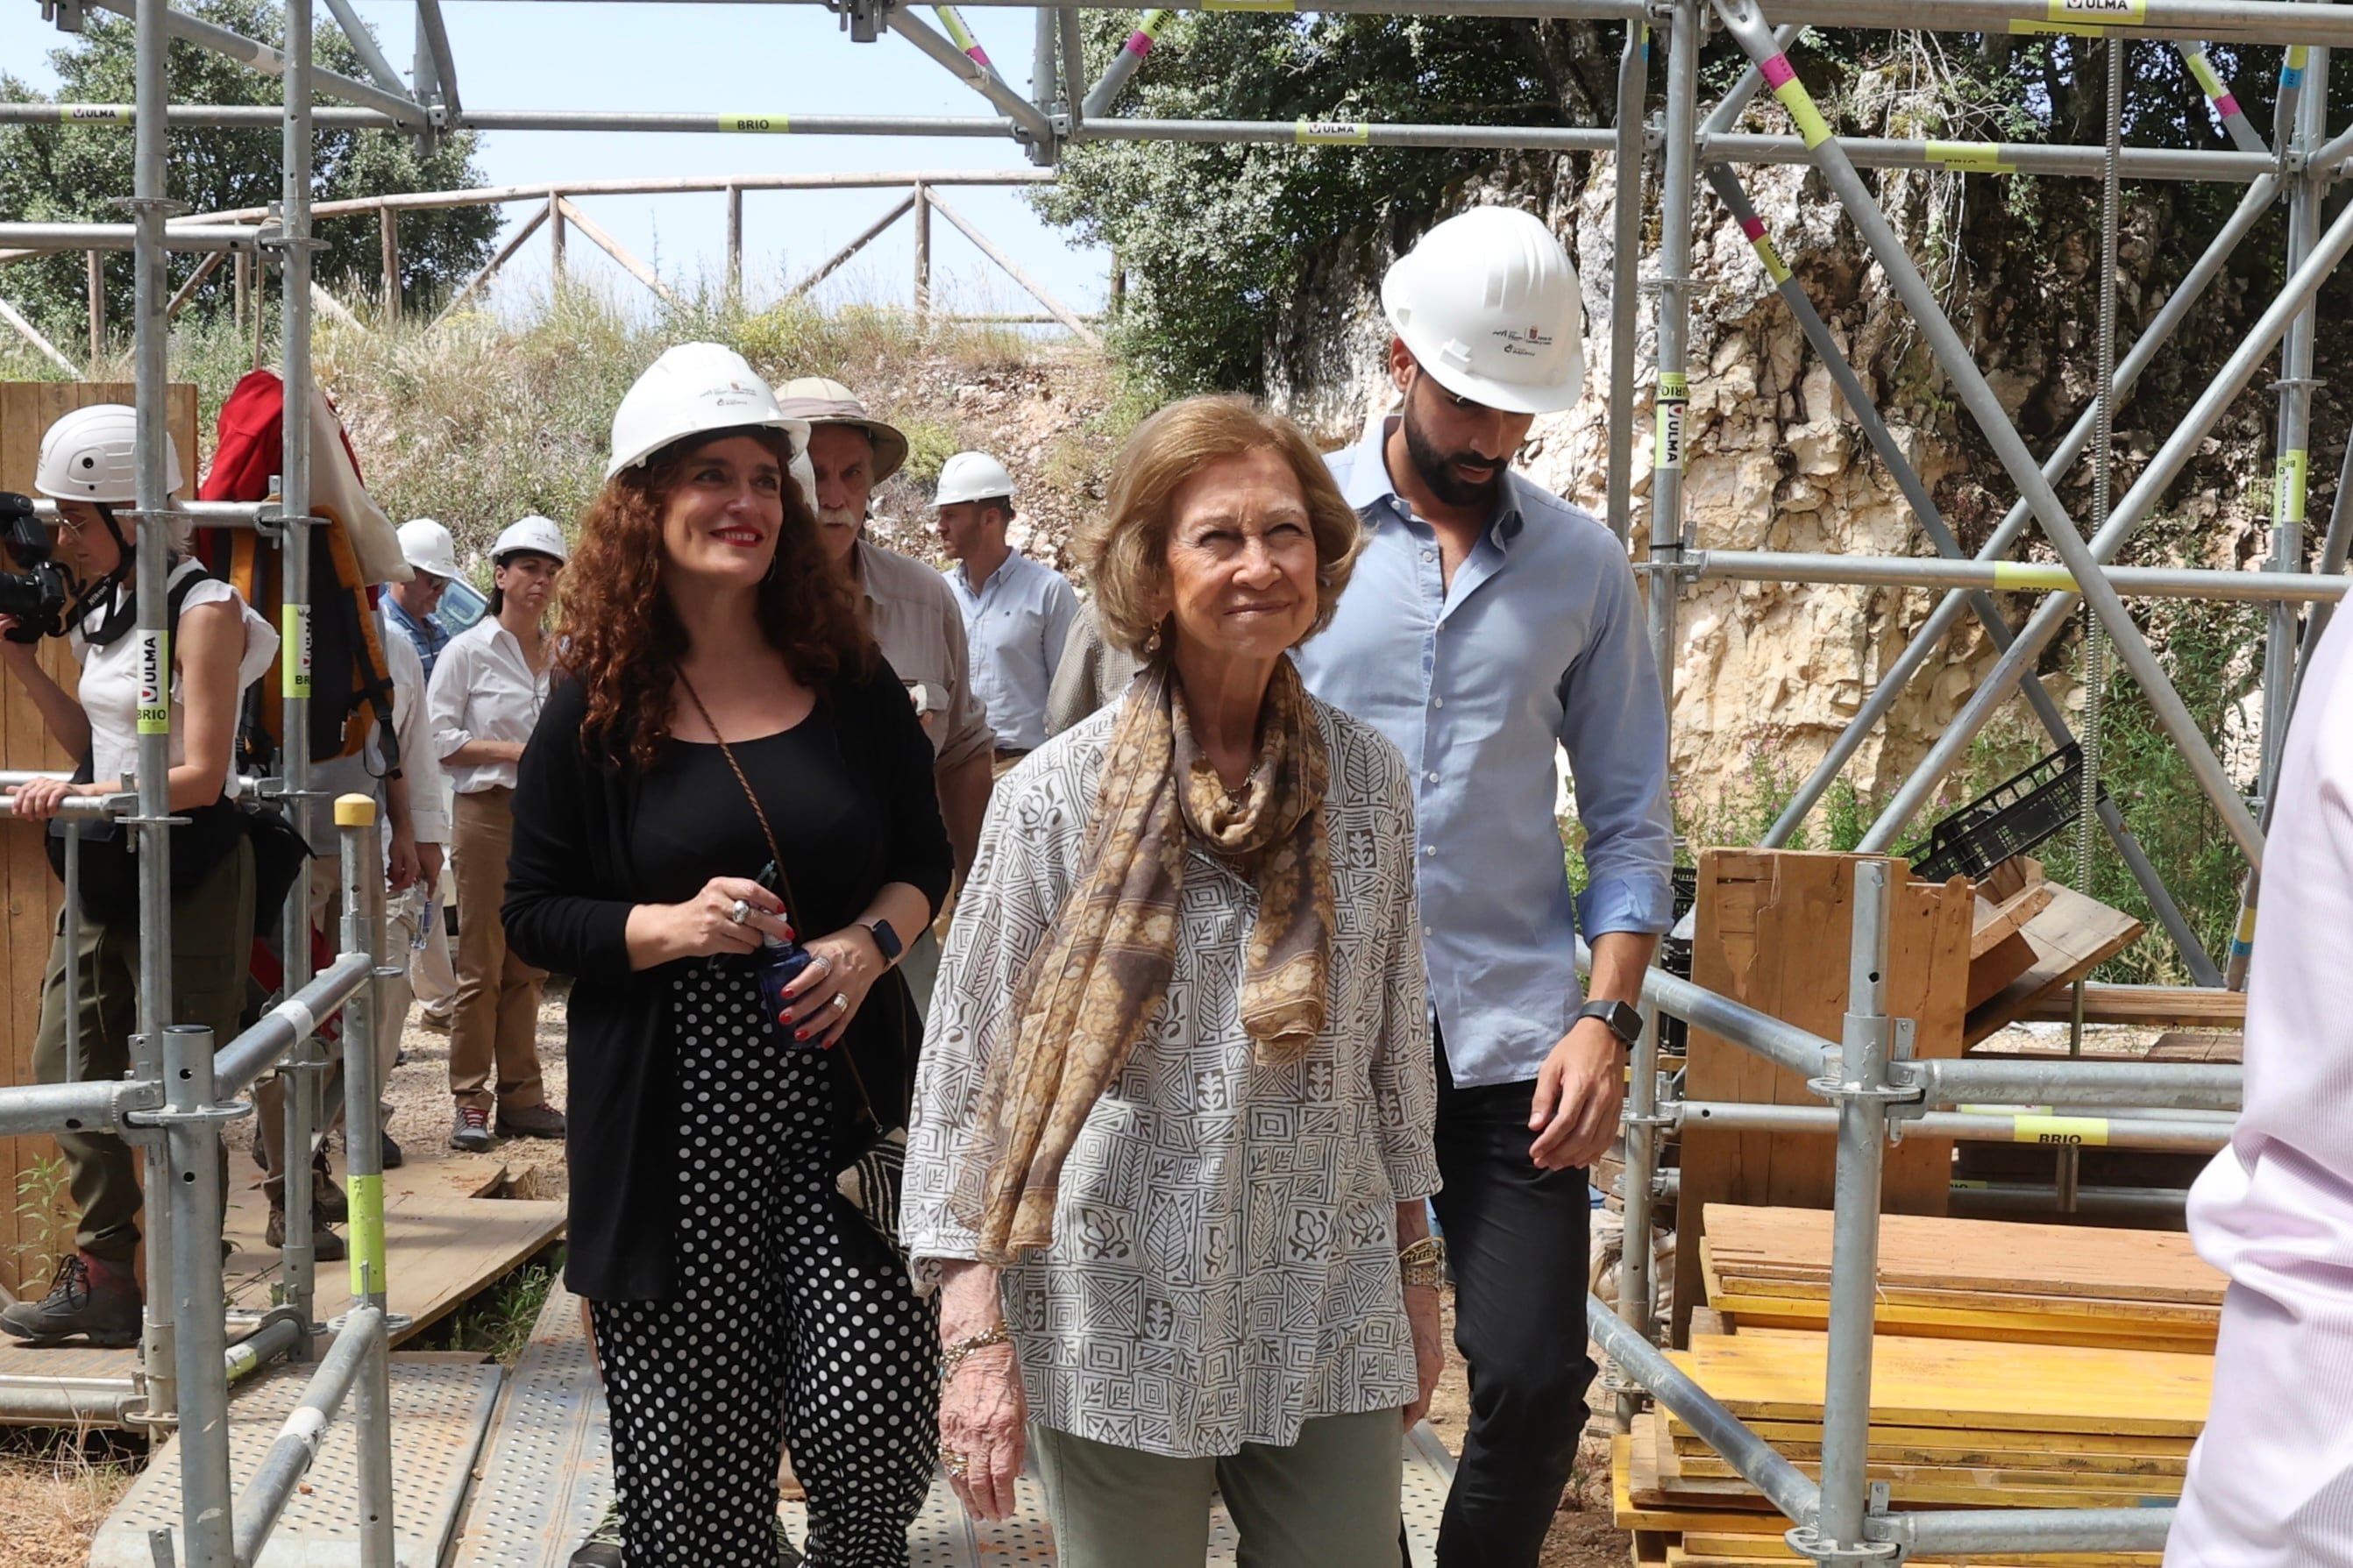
<point x="1423" y="1263"/>
<point x="956" y="1353"/>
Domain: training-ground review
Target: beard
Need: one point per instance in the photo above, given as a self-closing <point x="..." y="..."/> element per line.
<point x="1438" y="470"/>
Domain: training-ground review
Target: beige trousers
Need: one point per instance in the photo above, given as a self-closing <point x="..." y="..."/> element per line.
<point x="495" y="1025"/>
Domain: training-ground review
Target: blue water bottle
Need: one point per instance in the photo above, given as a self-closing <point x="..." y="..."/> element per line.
<point x="779" y="963"/>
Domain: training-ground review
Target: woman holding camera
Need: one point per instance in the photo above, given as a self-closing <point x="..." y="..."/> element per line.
<point x="88" y="465"/>
<point x="725" y="763"/>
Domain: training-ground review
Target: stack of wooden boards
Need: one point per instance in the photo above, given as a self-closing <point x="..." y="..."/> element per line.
<point x="1971" y="1279"/>
<point x="1955" y="1424"/>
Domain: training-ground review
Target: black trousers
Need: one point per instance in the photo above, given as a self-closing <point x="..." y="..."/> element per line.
<point x="1516" y="1237"/>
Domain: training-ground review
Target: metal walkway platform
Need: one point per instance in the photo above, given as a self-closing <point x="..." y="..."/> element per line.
<point x="546" y="1472"/>
<point x="439" y="1413"/>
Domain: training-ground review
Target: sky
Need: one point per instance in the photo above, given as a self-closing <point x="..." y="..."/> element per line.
<point x="733" y="58"/>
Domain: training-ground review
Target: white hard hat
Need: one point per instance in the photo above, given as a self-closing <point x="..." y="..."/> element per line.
<point x="92" y="454"/>
<point x="692" y="388"/>
<point x="973" y="476"/>
<point x="1490" y="306"/>
<point x="427" y="545"/>
<point x="823" y="401"/>
<point x="536" y="533"/>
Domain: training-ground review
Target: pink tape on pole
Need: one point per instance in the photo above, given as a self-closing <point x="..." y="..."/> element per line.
<point x="1777" y="72"/>
<point x="2227" y="106"/>
<point x="1754" y="227"/>
<point x="1139" y="44"/>
<point x="977" y="53"/>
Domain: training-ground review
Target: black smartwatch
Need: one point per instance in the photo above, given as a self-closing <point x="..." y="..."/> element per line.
<point x="885" y="938"/>
<point x="1624" y="1021"/>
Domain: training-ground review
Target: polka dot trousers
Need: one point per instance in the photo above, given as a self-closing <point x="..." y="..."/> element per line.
<point x="791" y="1324"/>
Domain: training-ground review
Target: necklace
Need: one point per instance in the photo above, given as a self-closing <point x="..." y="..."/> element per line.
<point x="1234" y="796"/>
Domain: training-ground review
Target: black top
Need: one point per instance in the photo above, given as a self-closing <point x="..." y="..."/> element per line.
<point x="851" y="795"/>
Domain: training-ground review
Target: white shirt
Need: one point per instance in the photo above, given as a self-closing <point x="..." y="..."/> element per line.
<point x="1016" y="622"/>
<point x="483" y="688"/>
<point x="2270" y="1481"/>
<point x="1224" y="1264"/>
<point x="108" y="692"/>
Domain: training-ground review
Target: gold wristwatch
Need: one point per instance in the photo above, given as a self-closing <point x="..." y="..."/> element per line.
<point x="1423" y="1263"/>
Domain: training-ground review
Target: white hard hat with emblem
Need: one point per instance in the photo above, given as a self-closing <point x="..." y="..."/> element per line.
<point x="973" y="476"/>
<point x="536" y="533"/>
<point x="426" y="545"/>
<point x="690" y="389"/>
<point x="1491" y="308"/>
<point x="92" y="454"/>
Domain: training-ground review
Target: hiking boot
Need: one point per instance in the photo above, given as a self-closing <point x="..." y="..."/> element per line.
<point x="603" y="1546"/>
<point x="531" y="1121"/>
<point x="392" y="1158"/>
<point x="329" y="1204"/>
<point x="325" y="1245"/>
<point x="471" y="1132"/>
<point x="90" y="1296"/>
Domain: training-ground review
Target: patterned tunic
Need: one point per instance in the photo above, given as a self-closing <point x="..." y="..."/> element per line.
<point x="1224" y="1264"/>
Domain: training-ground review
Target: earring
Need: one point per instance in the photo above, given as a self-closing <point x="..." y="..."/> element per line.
<point x="1152" y="643"/>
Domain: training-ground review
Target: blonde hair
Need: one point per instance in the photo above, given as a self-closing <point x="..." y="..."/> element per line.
<point x="1124" y="548"/>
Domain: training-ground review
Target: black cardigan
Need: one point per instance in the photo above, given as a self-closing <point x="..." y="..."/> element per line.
<point x="570" y="888"/>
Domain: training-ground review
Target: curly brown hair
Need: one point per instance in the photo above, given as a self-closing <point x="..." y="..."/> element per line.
<point x="617" y="634"/>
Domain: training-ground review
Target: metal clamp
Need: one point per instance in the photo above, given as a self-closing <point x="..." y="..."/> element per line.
<point x="1808" y="1542"/>
<point x="863" y="20"/>
<point x="393" y="1323"/>
<point x="1887" y="1094"/>
<point x="219" y="1115"/>
<point x="168" y="205"/>
<point x="66" y="14"/>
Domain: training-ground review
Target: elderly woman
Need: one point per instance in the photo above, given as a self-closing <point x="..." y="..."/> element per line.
<point x="726" y="766"/>
<point x="1172" y="1125"/>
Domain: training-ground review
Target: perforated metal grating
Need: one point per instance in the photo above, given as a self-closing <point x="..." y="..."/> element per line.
<point x="546" y="1472"/>
<point x="439" y="1415"/>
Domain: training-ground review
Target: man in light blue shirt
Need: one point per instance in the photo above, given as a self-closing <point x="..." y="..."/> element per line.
<point x="1017" y="612"/>
<point x="1488" y="623"/>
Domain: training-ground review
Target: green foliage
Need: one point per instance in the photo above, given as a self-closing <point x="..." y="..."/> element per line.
<point x="497" y="1322"/>
<point x="45" y="1221"/>
<point x="71" y="173"/>
<point x="1218" y="241"/>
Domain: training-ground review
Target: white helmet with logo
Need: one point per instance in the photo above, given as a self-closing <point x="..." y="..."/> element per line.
<point x="694" y="388"/>
<point x="536" y="534"/>
<point x="973" y="476"/>
<point x="1490" y="306"/>
<point x="426" y="545"/>
<point x="92" y="454"/>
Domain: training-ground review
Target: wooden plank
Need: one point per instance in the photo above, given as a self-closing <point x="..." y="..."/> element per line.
<point x="1998" y="922"/>
<point x="1773" y="933"/>
<point x="2147" y="1007"/>
<point x="2073" y="936"/>
<point x="1962" y="1383"/>
<point x="2198" y="1045"/>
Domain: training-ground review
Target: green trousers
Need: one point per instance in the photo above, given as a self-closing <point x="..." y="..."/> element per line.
<point x="1329" y="1500"/>
<point x="211" y="943"/>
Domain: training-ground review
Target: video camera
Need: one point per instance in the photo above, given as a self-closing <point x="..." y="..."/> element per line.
<point x="38" y="597"/>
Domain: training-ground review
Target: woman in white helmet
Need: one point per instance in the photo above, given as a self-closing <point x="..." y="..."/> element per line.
<point x="88" y="465"/>
<point x="727" y="766"/>
<point x="489" y="685"/>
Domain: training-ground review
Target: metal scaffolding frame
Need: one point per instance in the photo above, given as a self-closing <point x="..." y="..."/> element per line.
<point x="1872" y="1091"/>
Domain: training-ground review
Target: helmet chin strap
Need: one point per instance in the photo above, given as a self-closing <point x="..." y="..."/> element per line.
<point x="122" y="615"/>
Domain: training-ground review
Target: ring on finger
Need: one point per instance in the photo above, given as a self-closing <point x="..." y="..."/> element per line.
<point x="957" y="1465"/>
<point x="740" y="912"/>
<point x="840" y="1004"/>
<point x="821" y="960"/>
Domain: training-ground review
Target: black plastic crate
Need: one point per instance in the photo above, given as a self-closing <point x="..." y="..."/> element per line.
<point x="2014" y="816"/>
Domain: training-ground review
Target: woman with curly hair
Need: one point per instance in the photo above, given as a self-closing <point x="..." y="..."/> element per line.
<point x="728" y="781"/>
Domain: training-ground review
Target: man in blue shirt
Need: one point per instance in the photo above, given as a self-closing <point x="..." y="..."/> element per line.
<point x="1017" y="611"/>
<point x="432" y="557"/>
<point x="1487" y="624"/>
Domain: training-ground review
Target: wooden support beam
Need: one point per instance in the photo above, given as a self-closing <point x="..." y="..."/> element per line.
<point x="514" y="243"/>
<point x="852" y="248"/>
<point x="243" y="266"/>
<point x="1059" y="311"/>
<point x="188" y="289"/>
<point x="922" y="253"/>
<point x="555" y="240"/>
<point x="27" y="331"/>
<point x="94" y="275"/>
<point x="388" y="227"/>
<point x="735" y="244"/>
<point x="613" y="247"/>
<point x="326" y="303"/>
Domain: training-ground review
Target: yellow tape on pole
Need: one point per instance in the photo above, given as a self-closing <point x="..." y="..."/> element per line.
<point x="2071" y="1129"/>
<point x="1673" y="396"/>
<point x="366" y="1194"/>
<point x="2287" y="485"/>
<point x="1969" y="157"/>
<point x="770" y="124"/>
<point x="2038" y="574"/>
<point x="155" y="682"/>
<point x="1333" y="133"/>
<point x="294" y="650"/>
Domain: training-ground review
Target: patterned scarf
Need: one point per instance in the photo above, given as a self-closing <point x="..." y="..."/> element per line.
<point x="1095" y="983"/>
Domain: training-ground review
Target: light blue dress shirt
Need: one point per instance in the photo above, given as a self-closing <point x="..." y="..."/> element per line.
<point x="1015" y="625"/>
<point x="1539" y="640"/>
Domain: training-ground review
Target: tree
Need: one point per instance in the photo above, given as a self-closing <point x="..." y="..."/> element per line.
<point x="70" y="172"/>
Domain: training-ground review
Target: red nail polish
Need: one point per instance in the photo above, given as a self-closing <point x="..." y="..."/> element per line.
<point x="800" y="1033"/>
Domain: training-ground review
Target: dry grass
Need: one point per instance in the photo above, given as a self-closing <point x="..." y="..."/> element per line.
<point x="55" y="1489"/>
